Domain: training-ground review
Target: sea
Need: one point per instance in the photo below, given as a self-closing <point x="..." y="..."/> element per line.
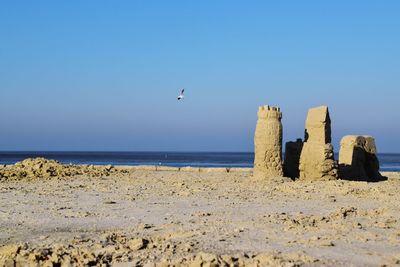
<point x="388" y="162"/>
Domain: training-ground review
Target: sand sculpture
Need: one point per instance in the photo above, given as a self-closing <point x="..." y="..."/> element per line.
<point x="317" y="158"/>
<point x="268" y="143"/>
<point x="357" y="158"/>
<point x="292" y="158"/>
<point x="312" y="159"/>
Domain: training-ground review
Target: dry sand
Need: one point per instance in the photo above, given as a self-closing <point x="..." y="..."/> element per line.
<point x="129" y="217"/>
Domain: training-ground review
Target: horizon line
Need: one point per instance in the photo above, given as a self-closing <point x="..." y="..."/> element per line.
<point x="140" y="151"/>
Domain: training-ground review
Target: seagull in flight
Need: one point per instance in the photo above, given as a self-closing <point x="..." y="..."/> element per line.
<point x="181" y="96"/>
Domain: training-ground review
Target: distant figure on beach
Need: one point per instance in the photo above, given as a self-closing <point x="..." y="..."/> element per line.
<point x="180" y="96"/>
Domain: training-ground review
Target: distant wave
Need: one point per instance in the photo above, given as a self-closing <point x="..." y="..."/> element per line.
<point x="388" y="162"/>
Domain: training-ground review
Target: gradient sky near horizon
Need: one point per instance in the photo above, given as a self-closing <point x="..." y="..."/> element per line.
<point x="104" y="75"/>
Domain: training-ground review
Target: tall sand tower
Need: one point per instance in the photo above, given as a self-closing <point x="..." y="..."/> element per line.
<point x="268" y="143"/>
<point x="317" y="158"/>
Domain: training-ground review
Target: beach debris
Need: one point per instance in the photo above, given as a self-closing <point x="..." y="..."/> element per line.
<point x="317" y="158"/>
<point x="110" y="202"/>
<point x="268" y="143"/>
<point x="357" y="158"/>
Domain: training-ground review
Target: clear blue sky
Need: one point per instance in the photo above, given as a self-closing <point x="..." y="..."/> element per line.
<point x="104" y="75"/>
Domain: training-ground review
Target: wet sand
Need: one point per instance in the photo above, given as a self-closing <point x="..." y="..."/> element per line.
<point x="132" y="217"/>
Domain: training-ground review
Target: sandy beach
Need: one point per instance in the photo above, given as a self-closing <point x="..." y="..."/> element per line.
<point x="200" y="133"/>
<point x="129" y="216"/>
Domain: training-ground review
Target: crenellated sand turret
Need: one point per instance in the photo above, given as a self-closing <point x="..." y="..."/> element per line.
<point x="268" y="143"/>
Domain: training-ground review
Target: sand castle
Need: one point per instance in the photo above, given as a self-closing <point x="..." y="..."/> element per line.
<point x="312" y="159"/>
<point x="357" y="158"/>
<point x="317" y="157"/>
<point x="268" y="143"/>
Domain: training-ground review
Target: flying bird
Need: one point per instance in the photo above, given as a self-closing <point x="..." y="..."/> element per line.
<point x="181" y="96"/>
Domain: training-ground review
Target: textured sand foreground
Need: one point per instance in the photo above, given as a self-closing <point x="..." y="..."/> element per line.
<point x="131" y="217"/>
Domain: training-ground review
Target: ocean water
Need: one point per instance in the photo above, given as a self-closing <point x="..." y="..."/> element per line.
<point x="388" y="162"/>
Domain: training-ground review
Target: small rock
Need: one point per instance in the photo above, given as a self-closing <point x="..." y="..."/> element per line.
<point x="43" y="237"/>
<point x="137" y="244"/>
